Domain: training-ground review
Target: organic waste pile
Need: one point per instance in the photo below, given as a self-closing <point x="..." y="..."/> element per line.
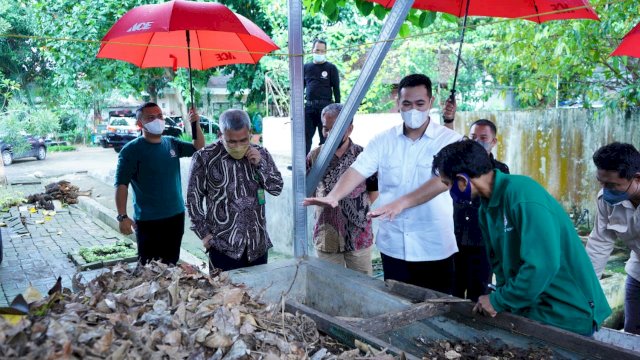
<point x="161" y="312"/>
<point x="62" y="190"/>
<point x="482" y="350"/>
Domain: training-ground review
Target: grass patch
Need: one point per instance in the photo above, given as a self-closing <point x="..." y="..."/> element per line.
<point x="119" y="250"/>
<point x="61" y="148"/>
<point x="208" y="138"/>
<point x="9" y="198"/>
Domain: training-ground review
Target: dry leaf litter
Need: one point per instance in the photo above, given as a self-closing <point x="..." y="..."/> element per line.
<point x="161" y="312"/>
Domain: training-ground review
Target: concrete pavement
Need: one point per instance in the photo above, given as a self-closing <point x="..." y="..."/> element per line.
<point x="38" y="255"/>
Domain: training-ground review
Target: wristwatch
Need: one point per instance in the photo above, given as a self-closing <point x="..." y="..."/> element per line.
<point x="120" y="218"/>
<point x="447" y="120"/>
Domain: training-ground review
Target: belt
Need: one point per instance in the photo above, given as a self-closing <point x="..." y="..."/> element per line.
<point x="318" y="102"/>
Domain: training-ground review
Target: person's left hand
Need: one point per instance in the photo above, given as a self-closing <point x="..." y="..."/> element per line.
<point x="483" y="306"/>
<point x="387" y="212"/>
<point x="193" y="115"/>
<point x="449" y="111"/>
<point x="253" y="155"/>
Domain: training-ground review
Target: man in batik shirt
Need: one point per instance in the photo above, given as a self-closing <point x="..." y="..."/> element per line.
<point x="343" y="234"/>
<point x="232" y="176"/>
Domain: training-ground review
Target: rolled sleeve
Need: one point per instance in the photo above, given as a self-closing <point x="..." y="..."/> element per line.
<point x="184" y="148"/>
<point x="368" y="161"/>
<point x="601" y="240"/>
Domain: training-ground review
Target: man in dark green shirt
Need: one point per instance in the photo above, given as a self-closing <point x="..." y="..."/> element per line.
<point x="542" y="269"/>
<point x="151" y="164"/>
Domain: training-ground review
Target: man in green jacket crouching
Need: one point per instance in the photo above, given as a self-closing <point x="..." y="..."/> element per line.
<point x="542" y="269"/>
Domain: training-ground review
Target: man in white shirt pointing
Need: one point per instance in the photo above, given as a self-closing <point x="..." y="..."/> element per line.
<point x="415" y="236"/>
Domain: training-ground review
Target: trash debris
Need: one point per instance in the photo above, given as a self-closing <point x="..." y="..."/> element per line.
<point x="483" y="349"/>
<point x="161" y="312"/>
<point x="62" y="190"/>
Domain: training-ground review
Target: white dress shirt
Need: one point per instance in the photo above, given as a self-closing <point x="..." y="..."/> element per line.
<point x="424" y="232"/>
<point x="619" y="221"/>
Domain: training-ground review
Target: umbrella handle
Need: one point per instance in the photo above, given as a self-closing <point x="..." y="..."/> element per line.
<point x="194" y="132"/>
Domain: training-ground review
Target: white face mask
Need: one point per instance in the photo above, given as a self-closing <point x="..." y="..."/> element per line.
<point x="414" y="118"/>
<point x="156" y="127"/>
<point x="319" y="58"/>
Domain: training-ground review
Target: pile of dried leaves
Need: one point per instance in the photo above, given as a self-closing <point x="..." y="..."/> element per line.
<point x="160" y="312"/>
<point x="62" y="190"/>
<point x="482" y="350"/>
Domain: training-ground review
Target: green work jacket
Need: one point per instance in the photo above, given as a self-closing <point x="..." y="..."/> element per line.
<point x="542" y="269"/>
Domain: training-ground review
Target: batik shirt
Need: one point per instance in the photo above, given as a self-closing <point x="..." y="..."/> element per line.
<point x="222" y="200"/>
<point x="345" y="227"/>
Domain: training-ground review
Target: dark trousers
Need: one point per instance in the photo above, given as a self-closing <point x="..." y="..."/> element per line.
<point x="225" y="263"/>
<point x="435" y="275"/>
<point x="160" y="239"/>
<point x="312" y="121"/>
<point x="472" y="272"/>
<point x="632" y="306"/>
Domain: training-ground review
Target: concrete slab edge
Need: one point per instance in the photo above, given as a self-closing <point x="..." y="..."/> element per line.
<point x="108" y="217"/>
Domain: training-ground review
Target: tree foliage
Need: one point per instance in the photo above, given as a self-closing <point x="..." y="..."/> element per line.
<point x="567" y="58"/>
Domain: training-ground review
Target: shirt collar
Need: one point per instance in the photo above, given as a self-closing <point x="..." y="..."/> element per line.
<point x="499" y="182"/>
<point x="430" y="132"/>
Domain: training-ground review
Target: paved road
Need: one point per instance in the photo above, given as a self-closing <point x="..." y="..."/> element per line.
<point x="91" y="168"/>
<point x="90" y="159"/>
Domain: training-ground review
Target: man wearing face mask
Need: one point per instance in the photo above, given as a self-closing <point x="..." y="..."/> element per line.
<point x="473" y="271"/>
<point x="321" y="81"/>
<point x="226" y="195"/>
<point x="343" y="235"/>
<point x="151" y="164"/>
<point x="542" y="270"/>
<point x="417" y="244"/>
<point x="618" y="217"/>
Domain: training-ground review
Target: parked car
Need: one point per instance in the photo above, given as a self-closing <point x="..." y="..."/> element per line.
<point x="204" y="124"/>
<point x="38" y="150"/>
<point x="178" y="121"/>
<point x="171" y="128"/>
<point x="120" y="131"/>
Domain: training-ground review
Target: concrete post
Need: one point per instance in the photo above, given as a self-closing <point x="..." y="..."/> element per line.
<point x="300" y="246"/>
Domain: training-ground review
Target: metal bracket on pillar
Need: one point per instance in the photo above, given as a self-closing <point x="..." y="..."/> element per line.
<point x="296" y="76"/>
<point x="371" y="66"/>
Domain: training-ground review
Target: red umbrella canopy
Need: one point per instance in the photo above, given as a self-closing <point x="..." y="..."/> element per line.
<point x="630" y="45"/>
<point x="155" y="36"/>
<point x="506" y="8"/>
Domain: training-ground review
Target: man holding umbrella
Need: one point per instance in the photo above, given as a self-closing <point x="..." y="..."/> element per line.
<point x="151" y="164"/>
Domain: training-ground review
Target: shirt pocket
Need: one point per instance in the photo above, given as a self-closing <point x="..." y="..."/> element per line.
<point x="390" y="176"/>
<point x="423" y="173"/>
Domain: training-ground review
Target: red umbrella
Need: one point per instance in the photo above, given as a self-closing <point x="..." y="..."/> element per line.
<point x="507" y="9"/>
<point x="549" y="10"/>
<point x="630" y="45"/>
<point x="185" y="34"/>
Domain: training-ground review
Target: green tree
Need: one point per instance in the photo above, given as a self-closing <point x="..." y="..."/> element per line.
<point x="22" y="64"/>
<point x="532" y="59"/>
